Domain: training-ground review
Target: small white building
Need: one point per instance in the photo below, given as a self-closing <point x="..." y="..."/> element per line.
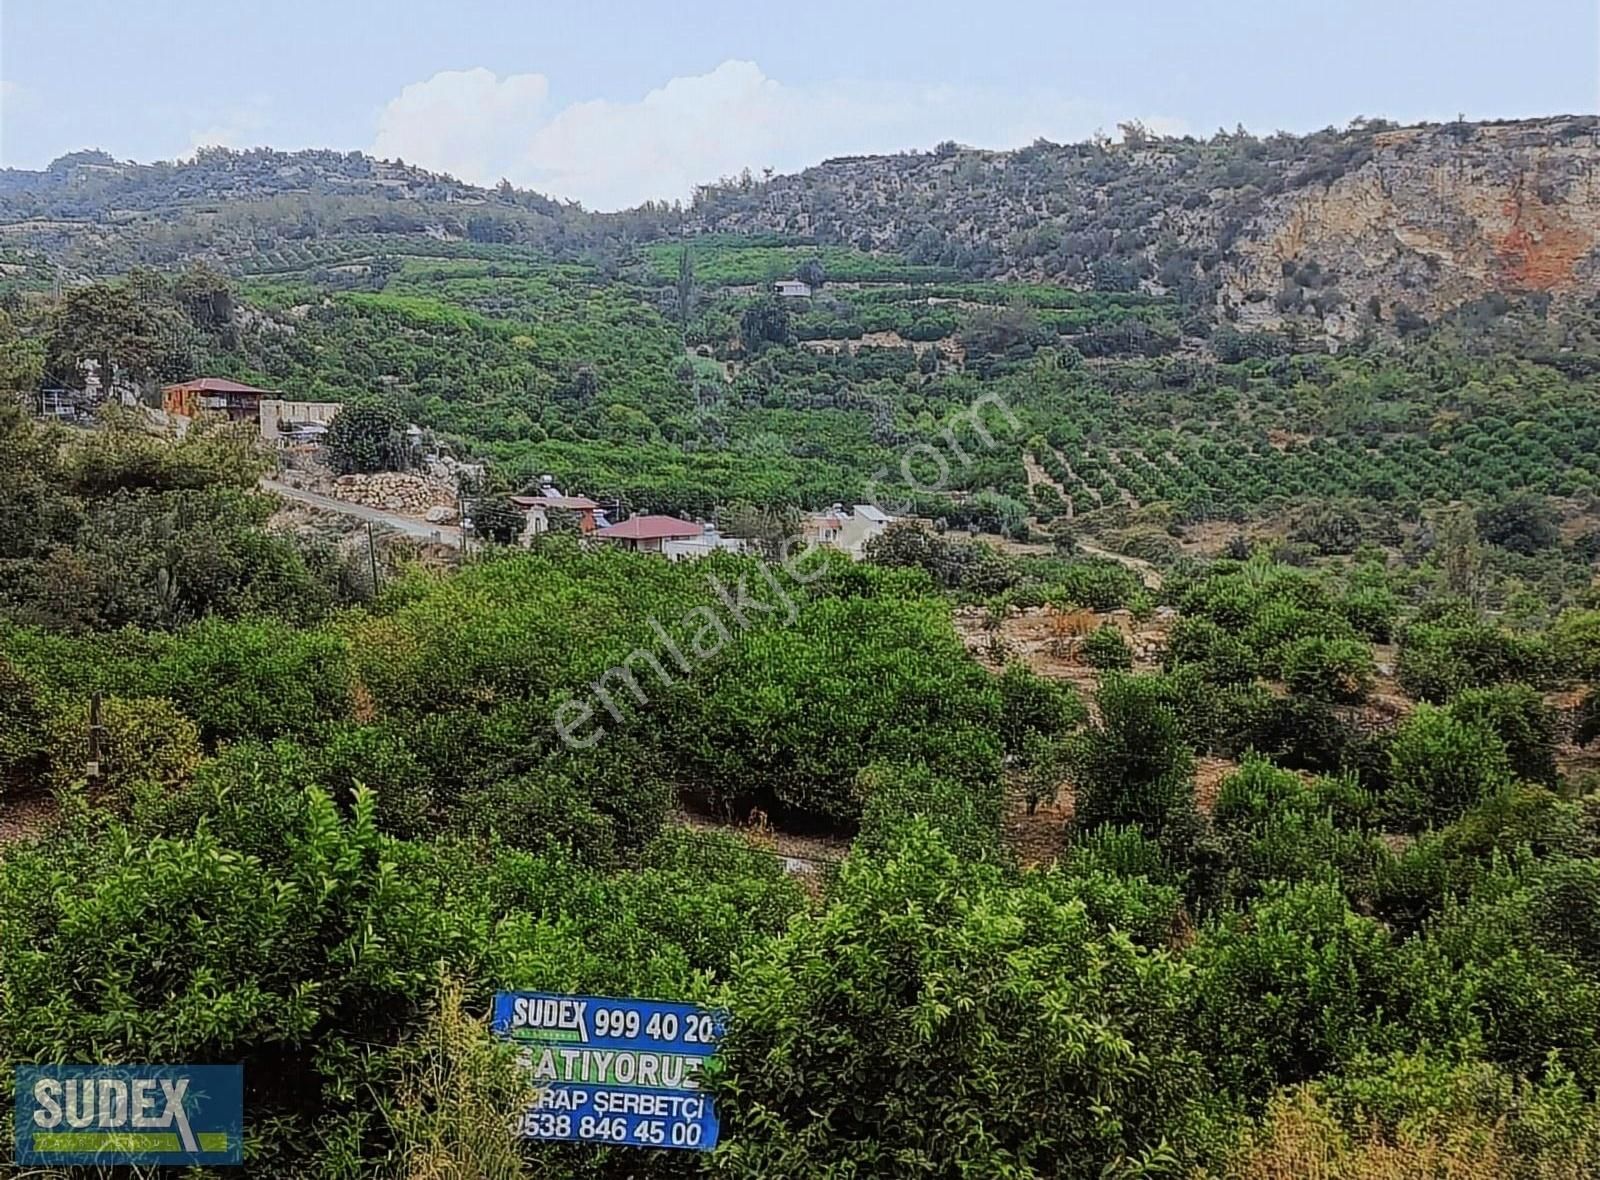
<point x="282" y="421"/>
<point x="792" y="289"/>
<point x="708" y="542"/>
<point x="847" y="531"/>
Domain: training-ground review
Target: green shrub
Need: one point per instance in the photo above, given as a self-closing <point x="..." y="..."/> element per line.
<point x="1576" y="638"/>
<point x="368" y="435"/>
<point x="1448" y="864"/>
<point x="256" y="679"/>
<point x="1565" y="911"/>
<point x="1331" y="669"/>
<point x="1500" y="972"/>
<point x="1440" y="766"/>
<point x="1105" y="648"/>
<point x="1033" y="707"/>
<point x="146" y="745"/>
<point x="24" y="733"/>
<point x="885" y="680"/>
<point x="1273" y="827"/>
<point x="1292" y="987"/>
<point x="938" y="1018"/>
<point x="1439" y="659"/>
<point x="1133" y="766"/>
<point x="1124" y="883"/>
<point x="1371" y="610"/>
<point x="1519" y="717"/>
<point x="1222" y="655"/>
<point x="896" y="798"/>
<point x="1428" y="1114"/>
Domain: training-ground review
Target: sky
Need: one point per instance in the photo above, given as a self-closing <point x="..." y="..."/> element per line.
<point x="613" y="103"/>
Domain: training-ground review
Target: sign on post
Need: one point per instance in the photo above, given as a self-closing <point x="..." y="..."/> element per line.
<point x="614" y="1071"/>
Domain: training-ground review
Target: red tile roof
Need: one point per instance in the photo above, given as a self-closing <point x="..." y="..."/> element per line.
<point x="216" y="385"/>
<point x="650" y="528"/>
<point x="573" y="503"/>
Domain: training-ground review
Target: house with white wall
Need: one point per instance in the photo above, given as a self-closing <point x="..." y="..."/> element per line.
<point x="847" y="531"/>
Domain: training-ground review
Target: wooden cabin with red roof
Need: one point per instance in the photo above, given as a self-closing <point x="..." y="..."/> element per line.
<point x="215" y="395"/>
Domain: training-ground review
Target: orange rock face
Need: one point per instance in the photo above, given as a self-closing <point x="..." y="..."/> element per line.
<point x="1542" y="248"/>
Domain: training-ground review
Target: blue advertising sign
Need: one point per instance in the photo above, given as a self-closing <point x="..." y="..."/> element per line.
<point x="130" y="1114"/>
<point x="618" y="1072"/>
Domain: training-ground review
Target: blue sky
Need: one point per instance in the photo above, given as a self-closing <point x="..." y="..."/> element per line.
<point x="611" y="103"/>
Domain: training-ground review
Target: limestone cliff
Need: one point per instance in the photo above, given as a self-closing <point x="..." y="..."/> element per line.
<point x="1432" y="220"/>
<point x="1331" y="229"/>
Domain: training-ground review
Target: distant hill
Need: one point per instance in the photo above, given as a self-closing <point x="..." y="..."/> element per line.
<point x="90" y="214"/>
<point x="1329" y="227"/>
<point x="1336" y="231"/>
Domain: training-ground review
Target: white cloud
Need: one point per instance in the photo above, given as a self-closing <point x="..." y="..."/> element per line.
<point x="243" y="124"/>
<point x="468" y="123"/>
<point x="611" y="154"/>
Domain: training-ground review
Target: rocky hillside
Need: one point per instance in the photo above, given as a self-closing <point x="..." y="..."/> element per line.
<point x="1330" y="232"/>
<point x="1330" y="229"/>
<point x="260" y="211"/>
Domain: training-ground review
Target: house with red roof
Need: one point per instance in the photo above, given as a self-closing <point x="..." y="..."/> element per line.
<point x="538" y="509"/>
<point x="216" y="395"/>
<point x="650" y="533"/>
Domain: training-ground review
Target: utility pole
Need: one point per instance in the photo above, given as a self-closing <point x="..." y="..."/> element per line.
<point x="372" y="560"/>
<point x="97" y="736"/>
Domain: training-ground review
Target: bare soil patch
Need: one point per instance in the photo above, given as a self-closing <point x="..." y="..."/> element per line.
<point x="26" y="816"/>
<point x="1037" y="839"/>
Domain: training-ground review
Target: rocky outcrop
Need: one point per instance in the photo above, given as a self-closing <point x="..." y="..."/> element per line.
<point x="1435" y="219"/>
<point x="410" y="495"/>
<point x="1335" y="230"/>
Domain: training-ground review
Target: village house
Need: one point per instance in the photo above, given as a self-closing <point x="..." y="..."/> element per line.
<point x="538" y="509"/>
<point x="217" y="395"/>
<point x="846" y="531"/>
<point x="822" y="528"/>
<point x="669" y="536"/>
<point x="792" y="289"/>
<point x="646" y="534"/>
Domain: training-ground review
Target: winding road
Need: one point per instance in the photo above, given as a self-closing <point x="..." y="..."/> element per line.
<point x="1148" y="574"/>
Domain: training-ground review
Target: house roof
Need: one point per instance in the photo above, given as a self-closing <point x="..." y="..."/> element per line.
<point x="572" y="503"/>
<point x="650" y="528"/>
<point x="875" y="515"/>
<point x="216" y="385"/>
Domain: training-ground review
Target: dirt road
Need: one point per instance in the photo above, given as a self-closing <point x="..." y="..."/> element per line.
<point x="444" y="534"/>
<point x="1148" y="574"/>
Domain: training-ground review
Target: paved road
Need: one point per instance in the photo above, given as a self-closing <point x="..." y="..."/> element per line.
<point x="447" y="534"/>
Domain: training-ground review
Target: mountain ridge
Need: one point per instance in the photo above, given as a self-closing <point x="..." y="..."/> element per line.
<point x="1334" y="231"/>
